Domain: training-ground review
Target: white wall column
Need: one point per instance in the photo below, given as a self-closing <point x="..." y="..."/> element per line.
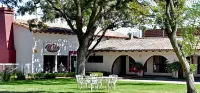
<point x="127" y="64"/>
<point x="56" y="63"/>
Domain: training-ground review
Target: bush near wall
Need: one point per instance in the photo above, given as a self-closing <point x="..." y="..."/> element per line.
<point x="68" y="74"/>
<point x="41" y="75"/>
<point x="60" y="74"/>
<point x="38" y="75"/>
<point x="50" y="75"/>
<point x="99" y="74"/>
<point x="19" y="75"/>
<point x="6" y="75"/>
<point x="174" y="66"/>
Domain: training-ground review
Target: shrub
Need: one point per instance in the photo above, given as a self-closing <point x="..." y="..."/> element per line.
<point x="31" y="76"/>
<point x="13" y="77"/>
<point x="20" y="75"/>
<point x="70" y="74"/>
<point x="136" y="67"/>
<point x="1" y="73"/>
<point x="43" y="75"/>
<point x="39" y="75"/>
<point x="175" y="66"/>
<point x="6" y="75"/>
<point x="99" y="74"/>
<point x="106" y="73"/>
<point x="60" y="74"/>
<point x="49" y="76"/>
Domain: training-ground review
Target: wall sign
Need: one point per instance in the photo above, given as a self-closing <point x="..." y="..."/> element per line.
<point x="52" y="47"/>
<point x="35" y="50"/>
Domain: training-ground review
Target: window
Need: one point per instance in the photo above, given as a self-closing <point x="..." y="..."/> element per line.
<point x="95" y="59"/>
<point x="159" y="64"/>
<point x="62" y="63"/>
<point x="198" y="65"/>
<point x="49" y="63"/>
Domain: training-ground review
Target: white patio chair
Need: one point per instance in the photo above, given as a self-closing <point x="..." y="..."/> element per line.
<point x="100" y="82"/>
<point x="112" y="81"/>
<point x="94" y="81"/>
<point x="79" y="80"/>
<point x="87" y="80"/>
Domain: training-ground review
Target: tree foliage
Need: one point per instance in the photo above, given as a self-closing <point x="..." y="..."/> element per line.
<point x="184" y="19"/>
<point x="88" y="14"/>
<point x="175" y="16"/>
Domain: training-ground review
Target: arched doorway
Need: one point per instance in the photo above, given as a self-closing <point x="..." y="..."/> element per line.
<point x="120" y="65"/>
<point x="155" y="64"/>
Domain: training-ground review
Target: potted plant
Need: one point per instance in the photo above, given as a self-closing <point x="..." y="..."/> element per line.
<point x="174" y="68"/>
<point x="138" y="68"/>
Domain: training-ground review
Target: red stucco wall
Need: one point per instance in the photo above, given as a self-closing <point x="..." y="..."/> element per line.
<point x="7" y="50"/>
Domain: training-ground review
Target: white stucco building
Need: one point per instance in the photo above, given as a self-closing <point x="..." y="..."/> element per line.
<point x="31" y="47"/>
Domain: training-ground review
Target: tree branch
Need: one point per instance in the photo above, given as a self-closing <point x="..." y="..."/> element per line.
<point x="172" y="5"/>
<point x="96" y="12"/>
<point x="168" y="19"/>
<point x="79" y="24"/>
<point x="98" y="41"/>
<point x="93" y="14"/>
<point x="173" y="19"/>
<point x="93" y="38"/>
<point x="64" y="16"/>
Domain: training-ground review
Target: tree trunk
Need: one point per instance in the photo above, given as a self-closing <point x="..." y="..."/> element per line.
<point x="81" y="59"/>
<point x="81" y="54"/>
<point x="185" y="65"/>
<point x="190" y="83"/>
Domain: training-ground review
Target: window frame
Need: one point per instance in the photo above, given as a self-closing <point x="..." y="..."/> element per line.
<point x="94" y="61"/>
<point x="161" y="64"/>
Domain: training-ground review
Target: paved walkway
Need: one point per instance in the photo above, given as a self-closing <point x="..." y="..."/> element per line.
<point x="158" y="79"/>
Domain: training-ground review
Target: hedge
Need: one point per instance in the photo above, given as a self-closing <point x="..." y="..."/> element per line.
<point x="99" y="74"/>
<point x="50" y="75"/>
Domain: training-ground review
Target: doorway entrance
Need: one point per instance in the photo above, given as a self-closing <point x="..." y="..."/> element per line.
<point x="123" y="65"/>
<point x="62" y="63"/>
<point x="119" y="65"/>
<point x="49" y="63"/>
<point x="72" y="61"/>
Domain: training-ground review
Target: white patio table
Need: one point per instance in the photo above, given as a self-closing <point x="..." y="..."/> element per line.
<point x="98" y="81"/>
<point x="108" y="80"/>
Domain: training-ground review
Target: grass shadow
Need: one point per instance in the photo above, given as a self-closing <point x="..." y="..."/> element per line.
<point x="34" y="92"/>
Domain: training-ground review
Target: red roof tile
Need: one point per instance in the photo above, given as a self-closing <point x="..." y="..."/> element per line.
<point x="161" y="33"/>
<point x="155" y="33"/>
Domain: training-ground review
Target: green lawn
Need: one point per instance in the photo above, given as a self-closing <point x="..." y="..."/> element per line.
<point x="69" y="85"/>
